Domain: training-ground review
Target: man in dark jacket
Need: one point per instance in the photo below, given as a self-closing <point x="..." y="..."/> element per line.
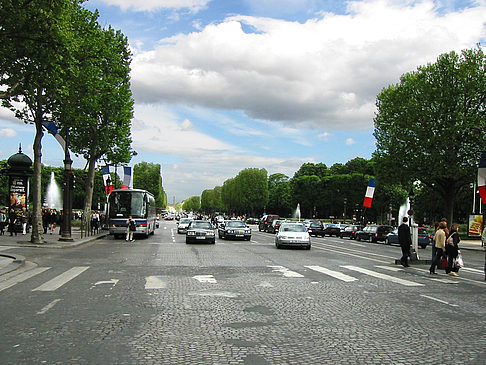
<point x="405" y="241"/>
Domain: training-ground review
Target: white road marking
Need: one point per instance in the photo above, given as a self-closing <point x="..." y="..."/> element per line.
<point x="62" y="279"/>
<point x="391" y="268"/>
<point x="111" y="282"/>
<point x="4" y="248"/>
<point x="470" y="269"/>
<point x="49" y="306"/>
<point x="205" y="279"/>
<point x="21" y="277"/>
<point x="382" y="276"/>
<point x="334" y="274"/>
<point x="438" y="300"/>
<point x="356" y="244"/>
<point x="265" y="284"/>
<point x="286" y="272"/>
<point x="155" y="282"/>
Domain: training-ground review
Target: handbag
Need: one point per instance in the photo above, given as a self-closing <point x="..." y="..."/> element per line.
<point x="443" y="262"/>
<point x="459" y="262"/>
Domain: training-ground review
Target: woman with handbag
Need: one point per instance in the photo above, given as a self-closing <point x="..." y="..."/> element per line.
<point x="440" y="239"/>
<point x="452" y="249"/>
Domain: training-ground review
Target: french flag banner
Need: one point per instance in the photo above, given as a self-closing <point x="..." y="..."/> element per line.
<point x="52" y="129"/>
<point x="482" y="177"/>
<point x="370" y="191"/>
<point x="107" y="180"/>
<point x="127" y="177"/>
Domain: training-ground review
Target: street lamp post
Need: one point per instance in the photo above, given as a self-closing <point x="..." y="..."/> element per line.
<point x="67" y="199"/>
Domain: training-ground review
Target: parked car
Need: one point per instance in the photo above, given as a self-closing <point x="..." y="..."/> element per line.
<point x="374" y="233"/>
<point x="424" y="237"/>
<point x="316" y="229"/>
<point x="200" y="231"/>
<point x="234" y="229"/>
<point x="331" y="229"/>
<point x="183" y="224"/>
<point x="292" y="234"/>
<point x="350" y="232"/>
<point x="266" y="222"/>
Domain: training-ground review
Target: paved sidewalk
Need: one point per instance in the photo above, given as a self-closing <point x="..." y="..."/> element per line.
<point x="10" y="262"/>
<point x="471" y="245"/>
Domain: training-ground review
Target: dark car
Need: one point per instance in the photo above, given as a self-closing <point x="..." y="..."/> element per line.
<point x="266" y="222"/>
<point x="423" y="237"/>
<point x="200" y="231"/>
<point x="234" y="229"/>
<point x="251" y="221"/>
<point x="316" y="229"/>
<point x="350" y="232"/>
<point x="275" y="226"/>
<point x="374" y="233"/>
<point x="331" y="229"/>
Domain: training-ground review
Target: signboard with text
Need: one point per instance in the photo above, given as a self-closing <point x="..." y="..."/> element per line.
<point x="475" y="225"/>
<point x="18" y="192"/>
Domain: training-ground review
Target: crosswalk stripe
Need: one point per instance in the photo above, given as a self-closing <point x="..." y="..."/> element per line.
<point x="390" y="268"/>
<point x="334" y="274"/>
<point x="382" y="276"/>
<point x="22" y="277"/>
<point x="205" y="279"/>
<point x="286" y="272"/>
<point x="62" y="279"/>
<point x="154" y="282"/>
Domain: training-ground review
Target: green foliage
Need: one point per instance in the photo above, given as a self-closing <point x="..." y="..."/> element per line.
<point x="192" y="204"/>
<point x="427" y="125"/>
<point x="147" y="176"/>
<point x="279" y="195"/>
<point x="308" y="169"/>
<point x="211" y="201"/>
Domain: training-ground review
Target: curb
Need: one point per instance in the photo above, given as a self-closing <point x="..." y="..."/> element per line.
<point x="18" y="261"/>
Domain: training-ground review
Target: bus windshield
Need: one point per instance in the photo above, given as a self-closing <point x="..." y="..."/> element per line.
<point x="129" y="203"/>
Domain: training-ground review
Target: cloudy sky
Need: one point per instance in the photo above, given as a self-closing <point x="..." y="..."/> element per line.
<point x="222" y="85"/>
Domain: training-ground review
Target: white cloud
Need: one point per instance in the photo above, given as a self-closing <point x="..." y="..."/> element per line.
<point x="8" y="132"/>
<point x="150" y="5"/>
<point x="350" y="141"/>
<point x="324" y="136"/>
<point x="325" y="72"/>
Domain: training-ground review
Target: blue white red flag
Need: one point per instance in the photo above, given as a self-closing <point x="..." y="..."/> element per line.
<point x="370" y="191"/>
<point x="482" y="177"/>
<point x="107" y="180"/>
<point x="127" y="177"/>
<point x="51" y="127"/>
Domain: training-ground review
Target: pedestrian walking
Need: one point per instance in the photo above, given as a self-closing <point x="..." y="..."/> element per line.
<point x="45" y="219"/>
<point x="3" y="221"/>
<point x="440" y="239"/>
<point x="131" y="227"/>
<point x="12" y="221"/>
<point x="24" y="219"/>
<point x="483" y="241"/>
<point x="452" y="250"/>
<point x="52" y="220"/>
<point x="405" y="241"/>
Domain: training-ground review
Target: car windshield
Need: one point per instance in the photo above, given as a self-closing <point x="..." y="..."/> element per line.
<point x="235" y="224"/>
<point x="186" y="220"/>
<point x="316" y="225"/>
<point x="202" y="225"/>
<point x="292" y="228"/>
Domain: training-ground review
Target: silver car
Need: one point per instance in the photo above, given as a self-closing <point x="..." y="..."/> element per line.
<point x="293" y="235"/>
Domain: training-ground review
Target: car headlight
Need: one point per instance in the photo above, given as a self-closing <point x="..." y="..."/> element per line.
<point x="231" y="231"/>
<point x="191" y="233"/>
<point x="210" y="233"/>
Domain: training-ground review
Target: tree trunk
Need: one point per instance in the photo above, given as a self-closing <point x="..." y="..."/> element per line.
<point x="88" y="199"/>
<point x="37" y="228"/>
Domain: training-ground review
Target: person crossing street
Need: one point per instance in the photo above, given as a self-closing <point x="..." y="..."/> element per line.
<point x="405" y="241"/>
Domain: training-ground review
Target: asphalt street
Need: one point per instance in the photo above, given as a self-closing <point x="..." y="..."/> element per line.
<point x="162" y="301"/>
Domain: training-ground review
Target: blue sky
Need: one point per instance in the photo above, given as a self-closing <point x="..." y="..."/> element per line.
<point x="222" y="85"/>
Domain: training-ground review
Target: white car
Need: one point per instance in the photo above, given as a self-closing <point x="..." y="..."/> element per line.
<point x="183" y="224"/>
<point x="292" y="234"/>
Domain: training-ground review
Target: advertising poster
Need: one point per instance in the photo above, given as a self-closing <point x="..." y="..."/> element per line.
<point x="475" y="225"/>
<point x="18" y="192"/>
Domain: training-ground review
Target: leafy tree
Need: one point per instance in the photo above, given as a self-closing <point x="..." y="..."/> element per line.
<point x="427" y="125"/>
<point x="36" y="41"/>
<point x="211" y="200"/>
<point x="279" y="195"/>
<point x="309" y="169"/>
<point x="192" y="204"/>
<point x="147" y="176"/>
<point x="306" y="191"/>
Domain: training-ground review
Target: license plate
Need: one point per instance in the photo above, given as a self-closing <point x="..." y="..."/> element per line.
<point x="239" y="235"/>
<point x="200" y="237"/>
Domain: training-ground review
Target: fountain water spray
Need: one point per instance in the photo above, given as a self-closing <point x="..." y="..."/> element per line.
<point x="53" y="197"/>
